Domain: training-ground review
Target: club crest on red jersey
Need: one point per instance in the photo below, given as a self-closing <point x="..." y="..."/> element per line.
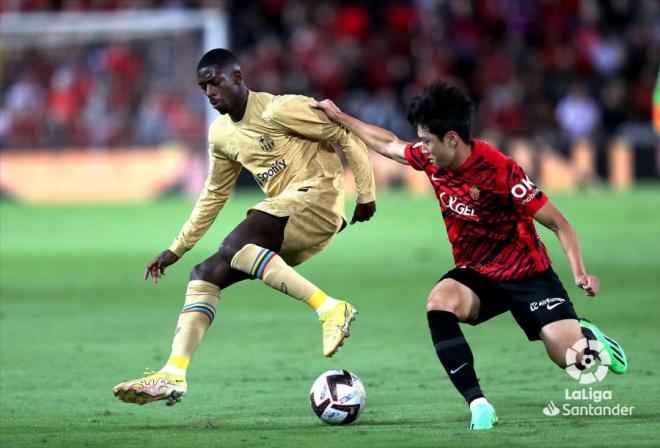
<point x="474" y="192"/>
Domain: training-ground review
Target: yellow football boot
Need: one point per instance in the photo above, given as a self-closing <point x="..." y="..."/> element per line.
<point x="336" y="322"/>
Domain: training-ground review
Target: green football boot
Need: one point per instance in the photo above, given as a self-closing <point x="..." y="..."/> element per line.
<point x="483" y="416"/>
<point x="619" y="362"/>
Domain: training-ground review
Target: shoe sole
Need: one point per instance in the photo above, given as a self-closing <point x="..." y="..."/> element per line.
<point x="345" y="335"/>
<point x="141" y="398"/>
<point x="174" y="398"/>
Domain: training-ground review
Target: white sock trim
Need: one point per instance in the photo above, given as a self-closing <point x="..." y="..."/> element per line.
<point x="327" y="304"/>
<point x="478" y="401"/>
<point x="173" y="370"/>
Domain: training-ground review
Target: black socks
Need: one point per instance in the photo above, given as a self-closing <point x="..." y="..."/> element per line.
<point x="454" y="353"/>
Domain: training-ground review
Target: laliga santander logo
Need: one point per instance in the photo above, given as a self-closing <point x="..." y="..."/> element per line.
<point x="551" y="410"/>
<point x="590" y="350"/>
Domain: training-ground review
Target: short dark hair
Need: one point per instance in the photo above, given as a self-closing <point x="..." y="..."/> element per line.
<point x="218" y="57"/>
<point x="442" y="108"/>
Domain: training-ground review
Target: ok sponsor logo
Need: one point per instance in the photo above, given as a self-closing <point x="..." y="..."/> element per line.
<point x="526" y="189"/>
<point x="274" y="170"/>
<point x="454" y="205"/>
<point x="549" y="303"/>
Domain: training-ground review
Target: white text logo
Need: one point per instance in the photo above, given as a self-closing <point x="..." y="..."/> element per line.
<point x="588" y="402"/>
<point x="549" y="303"/>
<point x="519" y="191"/>
<point x="457" y="207"/>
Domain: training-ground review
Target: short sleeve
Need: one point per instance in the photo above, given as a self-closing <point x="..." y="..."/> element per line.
<point x="415" y="157"/>
<point x="293" y="114"/>
<point x="527" y="198"/>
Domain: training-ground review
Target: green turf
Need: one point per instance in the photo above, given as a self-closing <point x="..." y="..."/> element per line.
<point x="76" y="318"/>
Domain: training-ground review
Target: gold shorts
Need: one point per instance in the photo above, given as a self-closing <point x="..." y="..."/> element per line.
<point x="315" y="217"/>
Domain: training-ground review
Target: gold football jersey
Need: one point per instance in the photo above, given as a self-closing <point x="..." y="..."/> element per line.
<point x="288" y="148"/>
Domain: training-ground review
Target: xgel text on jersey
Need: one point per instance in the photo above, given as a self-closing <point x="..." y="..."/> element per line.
<point x="452" y="203"/>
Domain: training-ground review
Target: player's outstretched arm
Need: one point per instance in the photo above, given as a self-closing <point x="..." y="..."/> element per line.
<point x="293" y="114"/>
<point x="380" y="140"/>
<point x="219" y="183"/>
<point x="552" y="218"/>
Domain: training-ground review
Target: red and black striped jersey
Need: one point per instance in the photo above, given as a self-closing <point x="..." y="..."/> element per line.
<point x="487" y="205"/>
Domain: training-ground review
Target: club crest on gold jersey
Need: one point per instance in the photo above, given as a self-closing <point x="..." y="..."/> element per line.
<point x="266" y="143"/>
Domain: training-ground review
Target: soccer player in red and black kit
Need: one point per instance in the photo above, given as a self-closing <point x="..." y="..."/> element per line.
<point x="488" y="204"/>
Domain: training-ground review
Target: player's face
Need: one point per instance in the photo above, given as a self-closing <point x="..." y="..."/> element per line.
<point x="438" y="151"/>
<point x="220" y="88"/>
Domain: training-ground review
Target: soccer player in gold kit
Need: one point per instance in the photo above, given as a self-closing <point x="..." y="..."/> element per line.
<point x="288" y="147"/>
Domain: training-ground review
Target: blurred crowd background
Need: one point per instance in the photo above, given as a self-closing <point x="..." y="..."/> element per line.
<point x="555" y="71"/>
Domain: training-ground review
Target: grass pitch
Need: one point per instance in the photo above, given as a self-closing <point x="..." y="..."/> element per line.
<point x="76" y="318"/>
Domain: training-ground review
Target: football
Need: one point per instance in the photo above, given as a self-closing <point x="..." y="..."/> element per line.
<point x="338" y="397"/>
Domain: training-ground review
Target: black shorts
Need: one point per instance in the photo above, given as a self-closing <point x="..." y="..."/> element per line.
<point x="534" y="301"/>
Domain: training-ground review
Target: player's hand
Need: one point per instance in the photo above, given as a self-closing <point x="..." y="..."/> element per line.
<point x="363" y="212"/>
<point x="329" y="107"/>
<point x="156" y="267"/>
<point x="589" y="283"/>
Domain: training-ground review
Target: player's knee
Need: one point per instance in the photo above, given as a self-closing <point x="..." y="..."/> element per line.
<point x="443" y="301"/>
<point x="556" y="353"/>
<point x="243" y="257"/>
<point x="213" y="270"/>
<point x="228" y="250"/>
<point x="561" y="363"/>
<point x="559" y="337"/>
<point x="558" y="359"/>
<point x="202" y="271"/>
